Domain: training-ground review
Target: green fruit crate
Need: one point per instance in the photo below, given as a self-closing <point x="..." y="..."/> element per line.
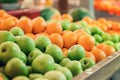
<point x="103" y="70"/>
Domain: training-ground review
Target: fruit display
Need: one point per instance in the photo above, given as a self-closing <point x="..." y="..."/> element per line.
<point x="110" y="6"/>
<point x="53" y="49"/>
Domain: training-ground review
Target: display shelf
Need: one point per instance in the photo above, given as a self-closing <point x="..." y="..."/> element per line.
<point x="102" y="70"/>
<point x="99" y="14"/>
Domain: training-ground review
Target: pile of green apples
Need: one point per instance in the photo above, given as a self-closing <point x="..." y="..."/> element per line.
<point x="22" y="58"/>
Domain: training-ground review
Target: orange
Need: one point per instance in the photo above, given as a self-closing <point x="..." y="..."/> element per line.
<point x="14" y="19"/>
<point x="56" y="17"/>
<point x="30" y="35"/>
<point x="66" y="31"/>
<point x="90" y="55"/>
<point x="6" y="16"/>
<point x="109" y="50"/>
<point x="65" y="51"/>
<point x="69" y="39"/>
<point x="39" y="25"/>
<point x="26" y="24"/>
<point x="103" y="27"/>
<point x="115" y="26"/>
<point x="99" y="54"/>
<point x="1" y="78"/>
<point x="79" y="33"/>
<point x="87" y="19"/>
<point x="56" y="39"/>
<point x="7" y="24"/>
<point x="67" y="16"/>
<point x="102" y="20"/>
<point x="36" y="35"/>
<point x="2" y="13"/>
<point x="39" y="34"/>
<point x="54" y="27"/>
<point x="87" y="42"/>
<point x="101" y="45"/>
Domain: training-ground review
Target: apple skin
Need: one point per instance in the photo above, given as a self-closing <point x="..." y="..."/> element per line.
<point x="75" y="67"/>
<point x="33" y="76"/>
<point x="9" y="50"/>
<point x="55" y="75"/>
<point x="23" y="57"/>
<point x="55" y="52"/>
<point x="106" y="36"/>
<point x="20" y="78"/>
<point x="65" y="24"/>
<point x="40" y="79"/>
<point x="17" y="31"/>
<point x="33" y="54"/>
<point x="42" y="42"/>
<point x="57" y="66"/>
<point x="117" y="46"/>
<point x="25" y="43"/>
<point x="73" y="27"/>
<point x="66" y="72"/>
<point x="43" y="63"/>
<point x="87" y="63"/>
<point x="76" y="52"/>
<point x="64" y="61"/>
<point x="6" y="36"/>
<point x="16" y="67"/>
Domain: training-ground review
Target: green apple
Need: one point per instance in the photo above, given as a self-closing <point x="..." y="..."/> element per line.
<point x="40" y="79"/>
<point x="17" y="31"/>
<point x="55" y="75"/>
<point x="9" y="50"/>
<point x="20" y="78"/>
<point x="43" y="63"/>
<point x="109" y="42"/>
<point x="23" y="57"/>
<point x="83" y="23"/>
<point x="115" y="38"/>
<point x="30" y="69"/>
<point x="96" y="30"/>
<point x="106" y="36"/>
<point x="87" y="30"/>
<point x="117" y="46"/>
<point x="3" y="76"/>
<point x="65" y="24"/>
<point x="87" y="63"/>
<point x="75" y="67"/>
<point x="57" y="66"/>
<point x="64" y="61"/>
<point x="98" y="38"/>
<point x="16" y="67"/>
<point x="26" y="44"/>
<point x="33" y="76"/>
<point x="6" y="36"/>
<point x="96" y="43"/>
<point x="76" y="52"/>
<point x="33" y="54"/>
<point x="73" y="27"/>
<point x="55" y="52"/>
<point x="42" y="42"/>
<point x="66" y="72"/>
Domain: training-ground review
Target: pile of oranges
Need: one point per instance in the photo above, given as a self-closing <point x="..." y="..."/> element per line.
<point x="64" y="39"/>
<point x="110" y="6"/>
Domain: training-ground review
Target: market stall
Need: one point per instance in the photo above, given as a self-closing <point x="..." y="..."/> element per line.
<point x="59" y="40"/>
